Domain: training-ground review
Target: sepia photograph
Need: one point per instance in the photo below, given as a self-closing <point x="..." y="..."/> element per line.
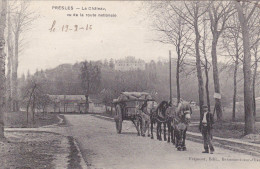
<point x="122" y="84"/>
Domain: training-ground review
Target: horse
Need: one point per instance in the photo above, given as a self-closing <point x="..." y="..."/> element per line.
<point x="180" y="123"/>
<point x="170" y="113"/>
<point x="146" y="109"/>
<point x="160" y="117"/>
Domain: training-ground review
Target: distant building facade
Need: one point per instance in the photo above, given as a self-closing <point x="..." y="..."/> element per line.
<point x="129" y="63"/>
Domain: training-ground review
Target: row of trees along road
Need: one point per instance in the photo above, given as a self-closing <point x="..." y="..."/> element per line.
<point x="19" y="19"/>
<point x="185" y="25"/>
<point x="2" y="65"/>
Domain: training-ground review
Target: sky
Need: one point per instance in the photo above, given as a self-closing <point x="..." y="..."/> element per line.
<point x="128" y="34"/>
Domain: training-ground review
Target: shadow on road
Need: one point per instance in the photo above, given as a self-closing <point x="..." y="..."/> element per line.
<point x="129" y="133"/>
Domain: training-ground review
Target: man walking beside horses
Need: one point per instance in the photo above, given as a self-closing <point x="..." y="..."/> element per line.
<point x="206" y="126"/>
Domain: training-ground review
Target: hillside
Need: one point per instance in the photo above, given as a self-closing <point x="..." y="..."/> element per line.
<point x="65" y="79"/>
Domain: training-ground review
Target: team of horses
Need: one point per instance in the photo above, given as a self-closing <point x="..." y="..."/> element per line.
<point x="175" y="117"/>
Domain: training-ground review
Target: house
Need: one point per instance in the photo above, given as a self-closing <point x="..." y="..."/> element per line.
<point x="74" y="104"/>
<point x="129" y="63"/>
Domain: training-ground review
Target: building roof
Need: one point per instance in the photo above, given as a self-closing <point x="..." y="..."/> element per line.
<point x="68" y="97"/>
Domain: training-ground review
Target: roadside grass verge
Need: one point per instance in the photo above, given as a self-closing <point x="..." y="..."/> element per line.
<point x="226" y="129"/>
<point x="33" y="150"/>
<point x="19" y="119"/>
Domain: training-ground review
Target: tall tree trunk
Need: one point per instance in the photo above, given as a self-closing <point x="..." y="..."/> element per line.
<point x="8" y="83"/>
<point x="33" y="107"/>
<point x="14" y="73"/>
<point x="9" y="65"/>
<point x="2" y="65"/>
<point x="198" y="67"/>
<point x="87" y="103"/>
<point x="235" y="90"/>
<point x="207" y="83"/>
<point x="216" y="76"/>
<point x="248" y="106"/>
<point x="178" y="75"/>
<point x="28" y="104"/>
<point x="254" y="80"/>
<point x="206" y="67"/>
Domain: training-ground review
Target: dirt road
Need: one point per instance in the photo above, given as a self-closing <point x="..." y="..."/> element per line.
<point x="102" y="147"/>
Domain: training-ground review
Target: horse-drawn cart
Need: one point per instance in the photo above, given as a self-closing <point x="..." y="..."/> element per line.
<point x="127" y="107"/>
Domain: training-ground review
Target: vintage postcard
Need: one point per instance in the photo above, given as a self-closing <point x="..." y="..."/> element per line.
<point x="129" y="84"/>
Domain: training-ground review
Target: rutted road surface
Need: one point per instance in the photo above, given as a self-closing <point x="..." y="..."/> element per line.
<point x="102" y="147"/>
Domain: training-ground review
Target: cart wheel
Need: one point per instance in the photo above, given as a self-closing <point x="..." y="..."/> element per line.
<point x="118" y="119"/>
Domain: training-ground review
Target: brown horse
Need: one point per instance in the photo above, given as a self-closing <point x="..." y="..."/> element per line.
<point x="160" y="117"/>
<point x="171" y="111"/>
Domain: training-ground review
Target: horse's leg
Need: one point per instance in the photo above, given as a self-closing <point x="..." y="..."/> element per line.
<point x="164" y="131"/>
<point x="159" y="131"/>
<point x="138" y="127"/>
<point x="145" y="126"/>
<point x="148" y="127"/>
<point x="172" y="135"/>
<point x="183" y="143"/>
<point x="179" y="140"/>
<point x="136" y="123"/>
<point x="139" y="122"/>
<point x="169" y="130"/>
<point x="151" y="128"/>
<point x="142" y="126"/>
<point x="174" y="141"/>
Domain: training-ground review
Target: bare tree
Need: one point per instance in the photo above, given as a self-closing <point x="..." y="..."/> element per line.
<point x="255" y="42"/>
<point x="21" y="21"/>
<point x="245" y="11"/>
<point x="107" y="98"/>
<point x="173" y="30"/>
<point x="41" y="101"/>
<point x="35" y="95"/>
<point x="2" y="65"/>
<point x="219" y="12"/>
<point x="10" y="57"/>
<point x="90" y="80"/>
<point x="232" y="43"/>
<point x="255" y="49"/>
<point x="28" y="96"/>
<point x="192" y="14"/>
<point x="206" y="64"/>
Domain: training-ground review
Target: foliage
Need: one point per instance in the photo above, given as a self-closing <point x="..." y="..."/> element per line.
<point x="90" y="76"/>
<point x="64" y="79"/>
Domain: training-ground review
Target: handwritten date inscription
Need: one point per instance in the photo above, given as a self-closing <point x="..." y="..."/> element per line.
<point x="67" y="28"/>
